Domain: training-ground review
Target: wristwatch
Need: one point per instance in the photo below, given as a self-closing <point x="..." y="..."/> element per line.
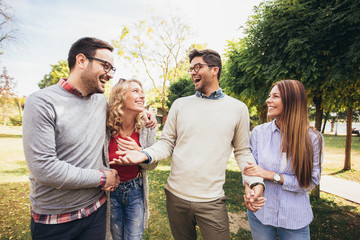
<point x="276" y="178"/>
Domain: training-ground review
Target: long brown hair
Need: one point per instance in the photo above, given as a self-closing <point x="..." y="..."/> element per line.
<point x="115" y="114"/>
<point x="296" y="141"/>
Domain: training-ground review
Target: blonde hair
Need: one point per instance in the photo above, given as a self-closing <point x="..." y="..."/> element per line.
<point x="115" y="113"/>
<point x="296" y="141"/>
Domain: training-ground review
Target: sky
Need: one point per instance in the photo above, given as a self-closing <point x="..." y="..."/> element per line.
<point x="46" y="29"/>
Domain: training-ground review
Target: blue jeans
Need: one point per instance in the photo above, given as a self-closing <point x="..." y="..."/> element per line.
<point x="127" y="210"/>
<point x="260" y="231"/>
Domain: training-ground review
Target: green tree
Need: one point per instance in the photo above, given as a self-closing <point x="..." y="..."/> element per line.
<point x="345" y="67"/>
<point x="280" y="44"/>
<point x="316" y="42"/>
<point x="183" y="87"/>
<point x="58" y="71"/>
<point x="343" y="57"/>
<point x="346" y="98"/>
<point x="243" y="76"/>
<point x="154" y="98"/>
<point x="20" y="102"/>
<point x="159" y="46"/>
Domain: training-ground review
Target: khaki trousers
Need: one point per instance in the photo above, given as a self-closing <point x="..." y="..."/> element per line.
<point x="211" y="217"/>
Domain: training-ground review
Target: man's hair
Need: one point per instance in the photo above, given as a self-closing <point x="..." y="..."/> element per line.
<point x="86" y="46"/>
<point x="211" y="57"/>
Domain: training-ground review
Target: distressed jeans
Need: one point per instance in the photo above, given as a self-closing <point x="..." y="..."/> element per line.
<point x="127" y="210"/>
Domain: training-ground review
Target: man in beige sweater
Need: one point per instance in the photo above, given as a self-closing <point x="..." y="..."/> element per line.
<point x="200" y="133"/>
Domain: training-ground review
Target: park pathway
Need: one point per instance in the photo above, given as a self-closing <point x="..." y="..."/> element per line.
<point x="340" y="187"/>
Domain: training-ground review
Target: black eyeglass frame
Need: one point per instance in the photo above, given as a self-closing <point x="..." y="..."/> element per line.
<point x="199" y="66"/>
<point x="105" y="64"/>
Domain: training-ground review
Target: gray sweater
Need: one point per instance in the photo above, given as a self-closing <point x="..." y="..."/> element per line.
<point x="63" y="138"/>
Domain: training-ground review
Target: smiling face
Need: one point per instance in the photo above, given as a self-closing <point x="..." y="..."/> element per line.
<point x="94" y="75"/>
<point x="274" y="103"/>
<point x="205" y="79"/>
<point x="135" y="99"/>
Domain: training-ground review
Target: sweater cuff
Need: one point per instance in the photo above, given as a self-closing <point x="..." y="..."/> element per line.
<point x="102" y="179"/>
<point x="149" y="157"/>
<point x="257" y="183"/>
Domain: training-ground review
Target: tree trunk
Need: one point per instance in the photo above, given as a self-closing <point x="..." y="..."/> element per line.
<point x="316" y="192"/>
<point x="332" y="125"/>
<point x="318" y="112"/>
<point x="4" y="119"/>
<point x="326" y="118"/>
<point x="323" y="128"/>
<point x="337" y="124"/>
<point x="318" y="119"/>
<point x="19" y="106"/>
<point x="347" y="164"/>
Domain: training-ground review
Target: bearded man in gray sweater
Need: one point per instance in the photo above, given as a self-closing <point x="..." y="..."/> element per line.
<point x="63" y="135"/>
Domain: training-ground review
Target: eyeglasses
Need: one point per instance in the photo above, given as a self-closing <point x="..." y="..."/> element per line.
<point x="107" y="66"/>
<point x="121" y="81"/>
<point x="197" y="67"/>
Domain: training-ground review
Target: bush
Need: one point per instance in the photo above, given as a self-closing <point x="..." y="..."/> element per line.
<point x="16" y="121"/>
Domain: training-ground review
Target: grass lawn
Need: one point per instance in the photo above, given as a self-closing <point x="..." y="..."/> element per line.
<point x="334" y="157"/>
<point x="334" y="217"/>
<point x="14" y="186"/>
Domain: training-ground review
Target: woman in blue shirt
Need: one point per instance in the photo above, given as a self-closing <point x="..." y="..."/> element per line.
<point x="288" y="152"/>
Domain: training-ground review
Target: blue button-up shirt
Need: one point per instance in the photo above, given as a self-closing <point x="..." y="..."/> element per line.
<point x="287" y="205"/>
<point x="215" y="95"/>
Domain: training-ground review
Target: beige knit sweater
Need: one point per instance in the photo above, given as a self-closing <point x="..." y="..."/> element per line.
<point x="200" y="135"/>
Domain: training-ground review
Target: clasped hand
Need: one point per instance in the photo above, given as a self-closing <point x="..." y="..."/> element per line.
<point x="112" y="180"/>
<point x="253" y="198"/>
<point x="128" y="153"/>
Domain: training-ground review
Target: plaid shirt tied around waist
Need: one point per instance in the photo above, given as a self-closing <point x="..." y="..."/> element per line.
<point x="68" y="217"/>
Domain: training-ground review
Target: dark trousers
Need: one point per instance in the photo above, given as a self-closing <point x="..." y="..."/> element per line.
<point x="92" y="227"/>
